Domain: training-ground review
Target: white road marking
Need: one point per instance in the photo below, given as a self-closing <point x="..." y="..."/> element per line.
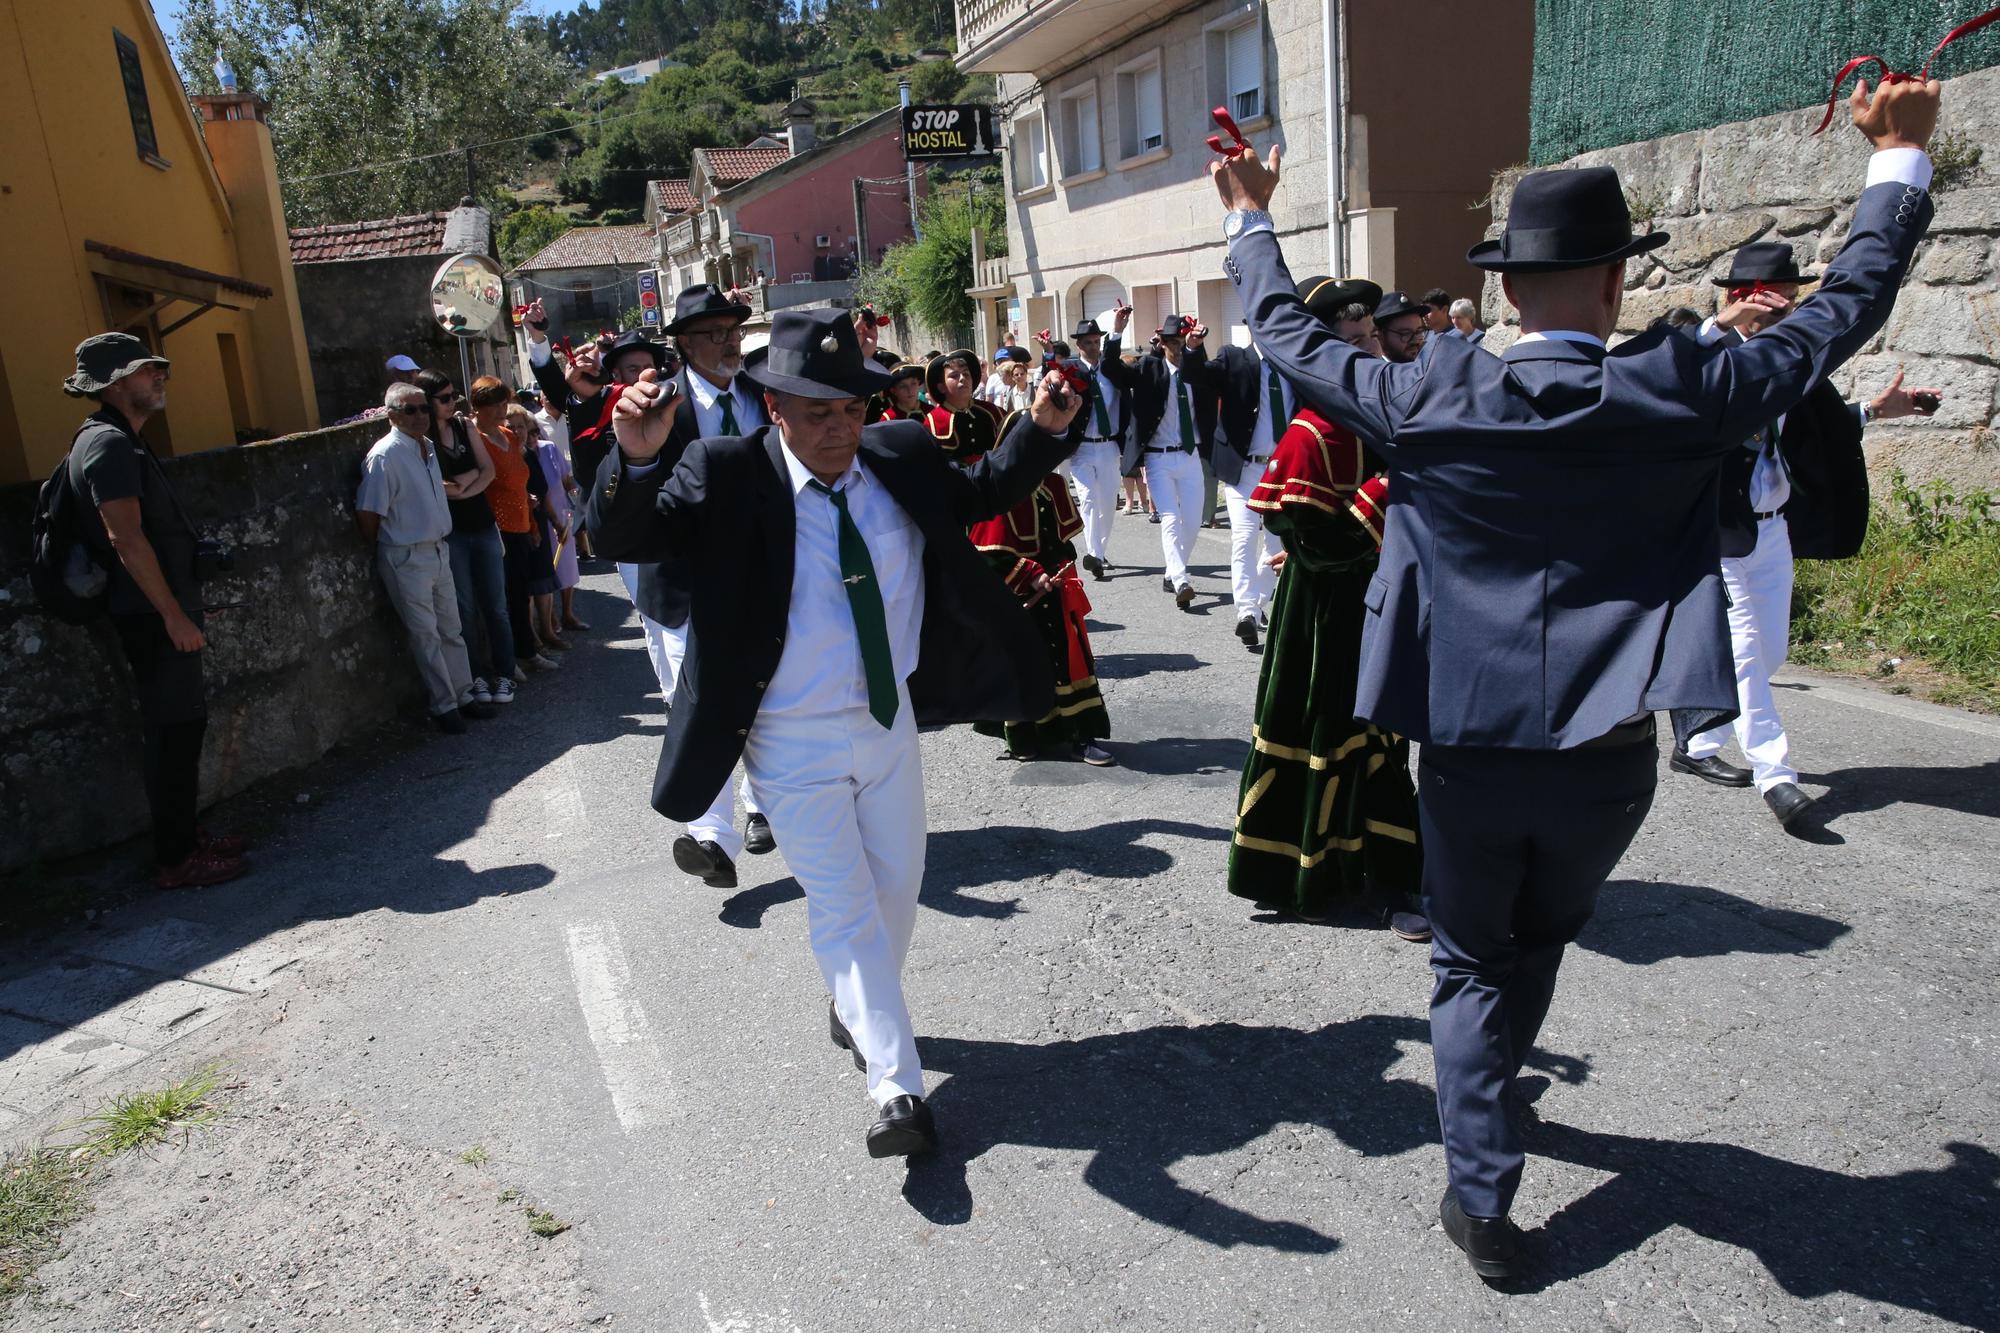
<point x="562" y="795"/>
<point x="635" y="1070"/>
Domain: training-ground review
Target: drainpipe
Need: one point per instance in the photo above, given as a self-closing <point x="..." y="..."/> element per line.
<point x="916" y="227"/>
<point x="1336" y="123"/>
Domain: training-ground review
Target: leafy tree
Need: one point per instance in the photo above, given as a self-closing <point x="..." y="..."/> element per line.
<point x="936" y="82"/>
<point x="370" y="98"/>
<point x="528" y="230"/>
<point x="678" y="111"/>
<point x="928" y="278"/>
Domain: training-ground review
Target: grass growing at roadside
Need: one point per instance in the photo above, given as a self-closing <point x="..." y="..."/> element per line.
<point x="545" y="1224"/>
<point x="140" y="1118"/>
<point x="41" y="1192"/>
<point x="1925" y="588"/>
<point x="476" y="1155"/>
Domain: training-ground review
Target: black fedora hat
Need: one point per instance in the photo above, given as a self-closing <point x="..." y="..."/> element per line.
<point x="1571" y="218"/>
<point x="1327" y="297"/>
<point x="815" y="354"/>
<point x="634" y="340"/>
<point x="704" y="298"/>
<point x="1394" y="304"/>
<point x="1763" y="261"/>
<point x="1087" y="328"/>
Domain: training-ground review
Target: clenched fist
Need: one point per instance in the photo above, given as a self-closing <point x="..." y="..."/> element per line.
<point x="644" y="416"/>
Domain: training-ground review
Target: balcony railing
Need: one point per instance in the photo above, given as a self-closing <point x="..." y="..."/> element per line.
<point x="980" y="19"/>
<point x="1035" y="36"/>
<point x="684" y="235"/>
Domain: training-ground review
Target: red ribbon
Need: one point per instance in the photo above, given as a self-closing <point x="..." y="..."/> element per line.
<point x="1043" y="336"/>
<point x="881" y="321"/>
<point x="1227" y="124"/>
<point x="1890" y="76"/>
<point x="611" y="397"/>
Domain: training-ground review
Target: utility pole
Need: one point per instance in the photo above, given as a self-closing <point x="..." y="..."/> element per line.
<point x="916" y="225"/>
<point x="862" y="252"/>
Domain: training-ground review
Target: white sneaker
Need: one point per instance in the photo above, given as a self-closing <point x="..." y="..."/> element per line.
<point x="480" y="694"/>
<point x="503" y="691"/>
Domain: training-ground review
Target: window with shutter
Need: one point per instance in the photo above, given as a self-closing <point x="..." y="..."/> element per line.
<point x="1150" y="117"/>
<point x="1082" y="149"/>
<point x="1243" y="61"/>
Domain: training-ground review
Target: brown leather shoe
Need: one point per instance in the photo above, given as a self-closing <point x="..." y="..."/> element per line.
<point x="200" y="870"/>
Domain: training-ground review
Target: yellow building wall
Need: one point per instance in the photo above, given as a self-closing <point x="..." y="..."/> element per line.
<point x="70" y="171"/>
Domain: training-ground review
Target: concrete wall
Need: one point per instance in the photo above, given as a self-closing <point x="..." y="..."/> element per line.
<point x="358" y="314"/>
<point x="316" y="655"/>
<point x="1716" y="189"/>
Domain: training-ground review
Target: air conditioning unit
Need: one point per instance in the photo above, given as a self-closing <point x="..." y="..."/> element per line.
<point x="822" y="240"/>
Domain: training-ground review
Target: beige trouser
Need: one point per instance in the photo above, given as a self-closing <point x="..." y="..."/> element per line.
<point x="419" y="582"/>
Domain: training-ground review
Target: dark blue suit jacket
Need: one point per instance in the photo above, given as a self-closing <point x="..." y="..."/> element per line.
<point x="1550" y="567"/>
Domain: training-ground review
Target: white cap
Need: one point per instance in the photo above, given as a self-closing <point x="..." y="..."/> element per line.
<point x="401" y="362"/>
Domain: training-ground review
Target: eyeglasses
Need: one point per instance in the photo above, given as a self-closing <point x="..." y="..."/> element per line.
<point x="716" y="336"/>
<point x="447" y="396"/>
<point x="1407" y="335"/>
<point x="410" y="408"/>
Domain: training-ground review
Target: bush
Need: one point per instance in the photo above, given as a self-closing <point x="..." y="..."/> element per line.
<point x="1925" y="587"/>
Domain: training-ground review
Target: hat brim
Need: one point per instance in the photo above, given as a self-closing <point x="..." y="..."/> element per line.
<point x="81" y="385"/>
<point x="1799" y="279"/>
<point x="1490" y="256"/>
<point x="741" y="312"/>
<point x="868" y="379"/>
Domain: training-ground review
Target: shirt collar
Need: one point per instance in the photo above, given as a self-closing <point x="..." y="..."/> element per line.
<point x="705" y="391"/>
<point x="801" y="475"/>
<point x="1567" y="335"/>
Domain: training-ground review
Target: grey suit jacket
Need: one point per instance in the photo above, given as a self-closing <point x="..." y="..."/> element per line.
<point x="1550" y="565"/>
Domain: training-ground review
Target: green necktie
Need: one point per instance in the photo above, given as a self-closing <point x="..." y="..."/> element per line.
<point x="729" y="426"/>
<point x="1277" y="406"/>
<point x="1097" y="406"/>
<point x="1187" y="415"/>
<point x="864" y="599"/>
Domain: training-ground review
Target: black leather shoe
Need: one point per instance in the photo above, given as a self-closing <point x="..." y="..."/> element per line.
<point x="1491" y="1244"/>
<point x="1166" y="585"/>
<point x="1412" y="926"/>
<point x="450" y="723"/>
<point x="1094" y="567"/>
<point x="841" y="1038"/>
<point x="705" y="860"/>
<point x="1185" y="597"/>
<point x="757" y="836"/>
<point x="1787" y="802"/>
<point x="1714" y="769"/>
<point x="1246" y="630"/>
<point x="905" y="1129"/>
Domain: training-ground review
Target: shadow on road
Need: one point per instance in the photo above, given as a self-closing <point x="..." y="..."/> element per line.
<point x="1143" y="1102"/>
<point x="1183" y="756"/>
<point x="1922" y="1240"/>
<point x="1968" y="791"/>
<point x="1641" y="923"/>
<point x="1130" y="666"/>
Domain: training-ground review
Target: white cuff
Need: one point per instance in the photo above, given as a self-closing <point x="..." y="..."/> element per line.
<point x="538" y="352"/>
<point x="1252" y="228"/>
<point x="1902" y="166"/>
<point x="1712" y="332"/>
<point x="637" y="470"/>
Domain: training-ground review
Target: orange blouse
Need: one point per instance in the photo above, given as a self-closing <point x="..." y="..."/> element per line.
<point x="509" y="492"/>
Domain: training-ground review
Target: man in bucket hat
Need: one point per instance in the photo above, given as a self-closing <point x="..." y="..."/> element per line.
<point x="1549" y="577"/>
<point x="155" y="598"/>
<point x="834" y="604"/>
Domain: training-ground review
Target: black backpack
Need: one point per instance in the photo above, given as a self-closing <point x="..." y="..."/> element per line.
<point x="70" y="582"/>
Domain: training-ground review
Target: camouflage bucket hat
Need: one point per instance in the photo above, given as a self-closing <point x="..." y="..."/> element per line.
<point x="105" y="358"/>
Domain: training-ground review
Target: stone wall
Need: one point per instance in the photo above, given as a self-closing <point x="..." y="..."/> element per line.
<point x="314" y="654"/>
<point x="1716" y="189"/>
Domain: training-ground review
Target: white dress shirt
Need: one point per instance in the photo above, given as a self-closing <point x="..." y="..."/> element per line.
<point x="1109" y="392"/>
<point x="1264" y="435"/>
<point x="708" y="405"/>
<point x="401" y="484"/>
<point x="1168" y="434"/>
<point x="820" y="671"/>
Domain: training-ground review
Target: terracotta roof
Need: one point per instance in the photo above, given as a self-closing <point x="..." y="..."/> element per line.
<point x="596" y="247"/>
<point x="417" y="234"/>
<point x="726" y="166"/>
<point x="675" y="196"/>
<point x="178" y="269"/>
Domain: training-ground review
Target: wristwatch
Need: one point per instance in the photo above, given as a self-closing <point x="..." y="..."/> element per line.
<point x="1240" y="220"/>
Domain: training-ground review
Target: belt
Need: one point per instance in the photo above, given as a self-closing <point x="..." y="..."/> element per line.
<point x="1099" y="439"/>
<point x="1639" y="730"/>
<point x="1257" y="458"/>
<point x="1177" y="449"/>
<point x="1779" y="512"/>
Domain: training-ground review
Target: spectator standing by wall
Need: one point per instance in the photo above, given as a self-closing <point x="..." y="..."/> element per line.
<point x="558" y="515"/>
<point x="529" y="569"/>
<point x="402" y="510"/>
<point x="154" y="595"/>
<point x="478" y="565"/>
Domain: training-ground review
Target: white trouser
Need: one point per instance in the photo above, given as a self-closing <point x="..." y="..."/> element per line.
<point x="1094" y="468"/>
<point x="846" y="801"/>
<point x="419" y="582"/>
<point x="667" y="646"/>
<point x="1174" y="479"/>
<point x="1760" y="630"/>
<point x="1250" y="579"/>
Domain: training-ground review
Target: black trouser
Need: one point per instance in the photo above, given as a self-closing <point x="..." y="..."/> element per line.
<point x="1516" y="845"/>
<point x="173" y="713"/>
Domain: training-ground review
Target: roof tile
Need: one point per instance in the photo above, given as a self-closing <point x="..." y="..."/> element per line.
<point x="593" y="247"/>
<point x="727" y="166"/>
<point x="416" y="234"/>
<point x="675" y="196"/>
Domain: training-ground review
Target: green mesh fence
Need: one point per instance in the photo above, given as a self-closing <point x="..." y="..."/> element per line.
<point x="1617" y="71"/>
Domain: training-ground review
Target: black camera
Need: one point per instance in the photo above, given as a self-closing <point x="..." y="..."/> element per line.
<point x="212" y="560"/>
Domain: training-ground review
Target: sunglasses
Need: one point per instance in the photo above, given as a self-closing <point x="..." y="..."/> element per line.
<point x="448" y="396"/>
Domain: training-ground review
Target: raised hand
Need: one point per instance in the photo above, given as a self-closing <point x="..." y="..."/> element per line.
<point x="1121" y="316"/>
<point x="1246" y="182"/>
<point x="535" y="320"/>
<point x="1899" y="114"/>
<point x="1054" y="406"/>
<point x="866" y="331"/>
<point x="1753" y="312"/>
<point x="644" y="416"/>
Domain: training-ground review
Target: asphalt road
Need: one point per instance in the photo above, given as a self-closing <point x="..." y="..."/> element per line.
<point x="1771" y="1064"/>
